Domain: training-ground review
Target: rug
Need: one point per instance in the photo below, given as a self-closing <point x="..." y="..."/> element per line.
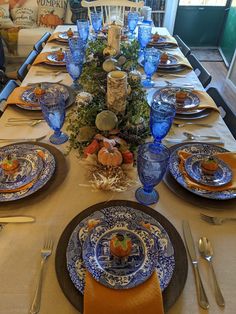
<point x="209" y="55"/>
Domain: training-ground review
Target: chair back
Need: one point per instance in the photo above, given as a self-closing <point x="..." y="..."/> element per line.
<point x="24" y="68"/>
<point x="113" y="10"/>
<point x="182" y="46"/>
<point x="226" y="113"/>
<point x="41" y="42"/>
<point x="4" y="94"/>
<point x="203" y="75"/>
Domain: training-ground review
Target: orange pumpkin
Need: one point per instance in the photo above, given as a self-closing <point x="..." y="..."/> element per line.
<point x="110" y="156"/>
<point x="120" y="245"/>
<point x="51" y="20"/>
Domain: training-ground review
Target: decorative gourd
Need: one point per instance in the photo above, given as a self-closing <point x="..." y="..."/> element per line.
<point x="60" y="55"/>
<point x="39" y="91"/>
<point x="70" y="33"/>
<point x="128" y="157"/>
<point x="110" y="65"/>
<point x="164" y="57"/>
<point x="106" y="120"/>
<point x="155" y="37"/>
<point x="110" y="156"/>
<point x="9" y="164"/>
<point x="92" y="148"/>
<point x="120" y="245"/>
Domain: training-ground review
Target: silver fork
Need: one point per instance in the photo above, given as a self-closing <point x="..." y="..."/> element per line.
<point x="46" y="251"/>
<point x="26" y="122"/>
<point x="215" y="220"/>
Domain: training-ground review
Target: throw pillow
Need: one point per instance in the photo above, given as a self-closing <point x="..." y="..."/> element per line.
<point x="5" y="21"/>
<point x="25" y="13"/>
<point x="51" y="12"/>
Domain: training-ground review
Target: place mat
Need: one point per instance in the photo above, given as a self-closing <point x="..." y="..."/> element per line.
<point x="57" y="178"/>
<point x="192" y="198"/>
<point x="176" y="285"/>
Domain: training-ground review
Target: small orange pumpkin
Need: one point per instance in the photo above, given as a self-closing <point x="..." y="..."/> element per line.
<point x="110" y="156"/>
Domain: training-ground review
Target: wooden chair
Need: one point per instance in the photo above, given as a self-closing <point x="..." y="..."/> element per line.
<point x="203" y="75"/>
<point x="227" y="114"/>
<point x="41" y="42"/>
<point x="24" y="68"/>
<point x="4" y="94"/>
<point x="182" y="46"/>
<point x="113" y="10"/>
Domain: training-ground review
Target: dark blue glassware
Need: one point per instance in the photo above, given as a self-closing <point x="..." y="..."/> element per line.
<point x="77" y="47"/>
<point x="144" y="36"/>
<point x="150" y="64"/>
<point x="96" y="20"/>
<point x="161" y="118"/>
<point x="133" y="18"/>
<point x="53" y="109"/>
<point x="74" y="66"/>
<point x="151" y="167"/>
<point x="83" y="29"/>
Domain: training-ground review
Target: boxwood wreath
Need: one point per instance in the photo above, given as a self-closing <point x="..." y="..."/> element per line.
<point x="105" y="140"/>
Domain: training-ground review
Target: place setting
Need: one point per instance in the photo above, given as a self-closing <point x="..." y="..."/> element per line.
<point x="54" y="58"/>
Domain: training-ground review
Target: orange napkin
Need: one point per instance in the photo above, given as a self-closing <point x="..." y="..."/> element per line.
<point x="42" y="58"/>
<point x="229" y="158"/>
<point x="15" y="97"/>
<point x="143" y="299"/>
<point x="206" y="101"/>
<point x="54" y="36"/>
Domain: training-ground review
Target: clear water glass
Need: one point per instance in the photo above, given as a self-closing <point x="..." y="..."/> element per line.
<point x="74" y="66"/>
<point x="144" y="36"/>
<point x="83" y="29"/>
<point x="151" y="167"/>
<point x="161" y="118"/>
<point x="53" y="108"/>
<point x="150" y="64"/>
<point x="96" y="20"/>
<point x="133" y="18"/>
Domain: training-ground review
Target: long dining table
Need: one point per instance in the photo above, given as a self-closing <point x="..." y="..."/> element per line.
<point x="20" y="244"/>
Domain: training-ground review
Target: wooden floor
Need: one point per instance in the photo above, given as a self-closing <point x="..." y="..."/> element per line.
<point x="218" y="72"/>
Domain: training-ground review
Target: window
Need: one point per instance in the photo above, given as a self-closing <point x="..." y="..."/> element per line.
<point x="219" y="3"/>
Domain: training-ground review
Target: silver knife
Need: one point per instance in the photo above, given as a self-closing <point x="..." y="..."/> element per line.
<point x="180" y="140"/>
<point x="201" y="295"/>
<point x="16" y="219"/>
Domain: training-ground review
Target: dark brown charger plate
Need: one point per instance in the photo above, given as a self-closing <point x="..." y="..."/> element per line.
<point x="192" y="198"/>
<point x="176" y="285"/>
<point x="58" y="177"/>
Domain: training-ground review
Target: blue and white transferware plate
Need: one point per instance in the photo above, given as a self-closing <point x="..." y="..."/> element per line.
<point x="30" y="166"/>
<point x="64" y="37"/>
<point x="52" y="60"/>
<point x="221" y="176"/>
<point x="49" y="165"/>
<point x="165" y="252"/>
<point x="195" y="149"/>
<point x="172" y="61"/>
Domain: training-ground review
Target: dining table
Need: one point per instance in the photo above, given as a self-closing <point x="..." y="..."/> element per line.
<point x="20" y="244"/>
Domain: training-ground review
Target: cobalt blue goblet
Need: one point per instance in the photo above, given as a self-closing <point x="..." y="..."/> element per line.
<point x="151" y="169"/>
<point x="96" y="20"/>
<point x="150" y="64"/>
<point x="83" y="29"/>
<point x="77" y="47"/>
<point x="133" y="18"/>
<point x="53" y="109"/>
<point x="161" y="118"/>
<point x="144" y="36"/>
<point x="74" y="65"/>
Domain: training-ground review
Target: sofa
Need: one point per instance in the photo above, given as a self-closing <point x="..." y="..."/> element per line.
<point x="23" y="22"/>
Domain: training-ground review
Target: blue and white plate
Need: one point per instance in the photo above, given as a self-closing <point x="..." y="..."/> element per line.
<point x="52" y="60"/>
<point x="64" y="37"/>
<point x="113" y="215"/>
<point x="222" y="175"/>
<point x="172" y="61"/>
<point x="49" y="165"/>
<point x="30" y="166"/>
<point x="195" y="149"/>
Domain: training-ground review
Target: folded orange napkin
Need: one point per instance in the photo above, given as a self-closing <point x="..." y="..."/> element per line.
<point x="42" y="58"/>
<point x="183" y="61"/>
<point x="206" y="101"/>
<point x="229" y="158"/>
<point x="54" y="36"/>
<point x="143" y="299"/>
<point x="15" y="97"/>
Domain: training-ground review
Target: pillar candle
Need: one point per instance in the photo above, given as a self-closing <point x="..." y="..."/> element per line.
<point x="114" y="34"/>
<point x="117" y="90"/>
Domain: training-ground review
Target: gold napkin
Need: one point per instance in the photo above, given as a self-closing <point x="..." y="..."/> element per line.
<point x="183" y="61"/>
<point x="229" y="158"/>
<point x="143" y="299"/>
<point x="205" y="101"/>
<point x="15" y="97"/>
<point x="42" y="58"/>
<point x="170" y="40"/>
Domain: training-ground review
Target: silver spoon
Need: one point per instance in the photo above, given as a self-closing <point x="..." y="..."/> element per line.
<point x="180" y="125"/>
<point x="206" y="250"/>
<point x="190" y="136"/>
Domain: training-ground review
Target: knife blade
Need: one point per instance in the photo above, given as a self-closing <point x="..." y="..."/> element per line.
<point x="180" y="140"/>
<point x="201" y="294"/>
<point x="16" y="219"/>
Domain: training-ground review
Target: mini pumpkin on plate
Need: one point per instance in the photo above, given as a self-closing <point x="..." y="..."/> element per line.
<point x="164" y="57"/>
<point x="110" y="156"/>
<point x="155" y="37"/>
<point x="39" y="91"/>
<point x="209" y="165"/>
<point x="120" y="245"/>
<point x="60" y="55"/>
<point x="9" y="163"/>
<point x="181" y="96"/>
<point x="70" y="33"/>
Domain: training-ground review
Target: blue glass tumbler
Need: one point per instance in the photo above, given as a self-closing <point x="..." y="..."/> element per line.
<point x="144" y="36"/>
<point x="83" y="29"/>
<point x="96" y="20"/>
<point x="150" y="64"/>
<point x="133" y="18"/>
<point x="74" y="66"/>
<point x="151" y="167"/>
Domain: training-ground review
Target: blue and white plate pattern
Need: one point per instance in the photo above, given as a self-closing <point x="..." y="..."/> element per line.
<point x="30" y="166"/>
<point x="172" y="61"/>
<point x="64" y="37"/>
<point x="49" y="165"/>
<point x="165" y="259"/>
<point x="52" y="58"/>
<point x="222" y="175"/>
<point x="195" y="149"/>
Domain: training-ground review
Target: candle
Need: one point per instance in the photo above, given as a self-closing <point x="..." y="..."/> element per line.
<point x="117" y="90"/>
<point x="114" y="34"/>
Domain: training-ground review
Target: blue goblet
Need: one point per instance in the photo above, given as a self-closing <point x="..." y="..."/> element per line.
<point x="133" y="18"/>
<point x="83" y="29"/>
<point x="151" y="166"/>
<point x="144" y="36"/>
<point x="150" y="64"/>
<point x="96" y="20"/>
<point x="53" y="109"/>
<point x="74" y="65"/>
<point x="161" y="118"/>
<point x="77" y="47"/>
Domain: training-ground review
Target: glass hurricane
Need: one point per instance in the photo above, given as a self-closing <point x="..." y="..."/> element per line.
<point x="151" y="167"/>
<point x="74" y="66"/>
<point x="83" y="29"/>
<point x="144" y="36"/>
<point x="53" y="108"/>
<point x="133" y="18"/>
<point x="96" y="20"/>
<point x="150" y="64"/>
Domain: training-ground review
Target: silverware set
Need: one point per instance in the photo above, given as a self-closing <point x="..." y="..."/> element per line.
<point x="206" y="251"/>
<point x="23" y="121"/>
